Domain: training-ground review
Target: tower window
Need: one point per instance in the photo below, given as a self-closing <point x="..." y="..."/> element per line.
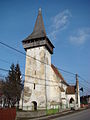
<point x="35" y="72"/>
<point x="34" y="85"/>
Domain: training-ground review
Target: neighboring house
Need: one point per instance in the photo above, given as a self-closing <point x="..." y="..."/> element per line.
<point x="85" y="99"/>
<point x="71" y="96"/>
<point x="88" y="99"/>
<point x="44" y="86"/>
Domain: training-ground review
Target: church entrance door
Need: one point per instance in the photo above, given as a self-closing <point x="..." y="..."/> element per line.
<point x="35" y="105"/>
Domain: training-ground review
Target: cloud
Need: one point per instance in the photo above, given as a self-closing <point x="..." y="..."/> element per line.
<point x="59" y="22"/>
<point x="81" y="36"/>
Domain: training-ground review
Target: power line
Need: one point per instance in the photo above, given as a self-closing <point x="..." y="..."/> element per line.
<point x="29" y="76"/>
<point x="20" y="51"/>
<point x="4" y="70"/>
<point x="66" y="71"/>
<point x="36" y="78"/>
<point x="5" y="61"/>
<point x="43" y="79"/>
<point x="83" y="79"/>
<point x="2" y="76"/>
<point x="84" y="87"/>
<point x="2" y="60"/>
<point x="6" y="45"/>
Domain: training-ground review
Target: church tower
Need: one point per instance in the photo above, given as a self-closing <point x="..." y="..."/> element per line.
<point x="38" y="49"/>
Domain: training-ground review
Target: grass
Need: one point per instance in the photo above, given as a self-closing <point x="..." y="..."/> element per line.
<point x="52" y="111"/>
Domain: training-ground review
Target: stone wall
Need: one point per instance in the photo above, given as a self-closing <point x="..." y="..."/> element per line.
<point x="37" y="75"/>
<point x="33" y="114"/>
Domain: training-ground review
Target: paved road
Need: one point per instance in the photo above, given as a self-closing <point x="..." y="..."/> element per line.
<point x="83" y="115"/>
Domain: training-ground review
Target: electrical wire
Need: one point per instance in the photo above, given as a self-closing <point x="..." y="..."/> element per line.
<point x="30" y="76"/>
<point x="6" y="45"/>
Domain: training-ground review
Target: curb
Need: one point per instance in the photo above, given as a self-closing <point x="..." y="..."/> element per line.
<point x="59" y="114"/>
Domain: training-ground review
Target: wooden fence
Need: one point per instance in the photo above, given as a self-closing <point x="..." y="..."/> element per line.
<point x="7" y="114"/>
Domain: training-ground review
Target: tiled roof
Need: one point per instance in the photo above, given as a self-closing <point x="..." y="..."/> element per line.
<point x="70" y="90"/>
<point x="58" y="74"/>
<point x="39" y="29"/>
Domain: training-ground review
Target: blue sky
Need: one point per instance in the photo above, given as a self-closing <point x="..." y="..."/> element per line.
<point x="67" y="24"/>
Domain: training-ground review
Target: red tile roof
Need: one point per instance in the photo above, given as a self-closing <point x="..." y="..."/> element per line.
<point x="58" y="74"/>
<point x="70" y="90"/>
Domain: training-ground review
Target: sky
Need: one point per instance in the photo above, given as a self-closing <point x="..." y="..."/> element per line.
<point x="67" y="24"/>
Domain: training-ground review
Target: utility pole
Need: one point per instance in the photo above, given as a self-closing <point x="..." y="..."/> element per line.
<point x="76" y="88"/>
<point x="77" y="92"/>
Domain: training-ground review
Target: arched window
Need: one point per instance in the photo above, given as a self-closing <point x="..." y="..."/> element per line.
<point x="71" y="100"/>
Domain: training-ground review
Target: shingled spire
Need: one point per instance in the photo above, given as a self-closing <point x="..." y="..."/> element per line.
<point x="39" y="29"/>
<point x="38" y="36"/>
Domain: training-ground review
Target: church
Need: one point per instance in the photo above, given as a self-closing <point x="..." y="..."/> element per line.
<point x="44" y="86"/>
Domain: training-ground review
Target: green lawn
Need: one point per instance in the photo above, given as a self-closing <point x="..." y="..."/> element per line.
<point x="52" y="111"/>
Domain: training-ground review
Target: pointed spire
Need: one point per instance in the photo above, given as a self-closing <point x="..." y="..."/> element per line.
<point x="39" y="11"/>
<point x="38" y="36"/>
<point x="39" y="29"/>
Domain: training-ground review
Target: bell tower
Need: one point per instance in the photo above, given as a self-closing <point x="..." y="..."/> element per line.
<point x="38" y="49"/>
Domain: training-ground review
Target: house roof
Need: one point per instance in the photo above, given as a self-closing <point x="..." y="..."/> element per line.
<point x="58" y="74"/>
<point x="70" y="90"/>
<point x="39" y="29"/>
